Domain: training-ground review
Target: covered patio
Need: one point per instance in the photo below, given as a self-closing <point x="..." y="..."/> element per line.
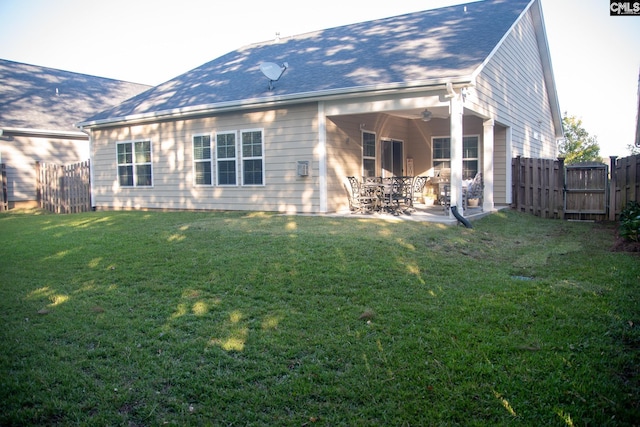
<point x="443" y="135"/>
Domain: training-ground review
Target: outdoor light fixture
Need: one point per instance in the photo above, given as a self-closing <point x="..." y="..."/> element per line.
<point x="426" y="115"/>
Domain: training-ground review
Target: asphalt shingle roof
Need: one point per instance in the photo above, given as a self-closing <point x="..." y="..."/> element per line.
<point x="33" y="97"/>
<point x="405" y="50"/>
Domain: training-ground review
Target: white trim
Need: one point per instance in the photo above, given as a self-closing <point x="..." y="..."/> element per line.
<point x="322" y="157"/>
<point x="509" y="169"/>
<point x="235" y="158"/>
<point x="487" y="164"/>
<point x="404" y="155"/>
<point x="471" y="135"/>
<point x="274" y="101"/>
<point x="45" y="132"/>
<point x="134" y="163"/>
<point x="194" y="160"/>
<point x="375" y="149"/>
<point x="242" y="158"/>
<point x="457" y="132"/>
<point x="498" y="45"/>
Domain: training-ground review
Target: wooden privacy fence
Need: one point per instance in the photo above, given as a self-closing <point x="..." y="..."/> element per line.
<point x="585" y="191"/>
<point x="537" y="186"/>
<point x="625" y="184"/>
<point x="549" y="189"/>
<point x="64" y="188"/>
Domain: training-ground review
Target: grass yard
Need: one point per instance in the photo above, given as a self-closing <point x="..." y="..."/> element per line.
<point x="256" y="319"/>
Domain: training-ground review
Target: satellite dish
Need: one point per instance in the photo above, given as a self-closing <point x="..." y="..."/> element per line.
<point x="273" y="71"/>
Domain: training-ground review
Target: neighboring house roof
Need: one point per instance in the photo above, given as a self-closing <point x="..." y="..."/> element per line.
<point x="414" y="50"/>
<point x="46" y="100"/>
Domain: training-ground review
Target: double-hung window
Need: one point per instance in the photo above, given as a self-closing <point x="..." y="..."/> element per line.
<point x="442" y="155"/>
<point x="202" y="166"/>
<point x="134" y="164"/>
<point x="226" y="158"/>
<point x="252" y="157"/>
<point x="368" y="154"/>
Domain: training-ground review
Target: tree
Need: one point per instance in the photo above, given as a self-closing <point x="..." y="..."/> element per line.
<point x="633" y="149"/>
<point x="578" y="146"/>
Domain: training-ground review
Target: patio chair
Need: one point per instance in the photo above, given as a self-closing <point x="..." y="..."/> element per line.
<point x="445" y="197"/>
<point x="474" y="190"/>
<point x="404" y="190"/>
<point x="392" y="193"/>
<point x="417" y="187"/>
<point x="360" y="200"/>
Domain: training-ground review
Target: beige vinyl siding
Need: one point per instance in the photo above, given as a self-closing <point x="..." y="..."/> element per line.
<point x="289" y="135"/>
<point x="20" y="154"/>
<point x="512" y="85"/>
<point x="344" y="158"/>
<point x="500" y="166"/>
<point x="344" y="150"/>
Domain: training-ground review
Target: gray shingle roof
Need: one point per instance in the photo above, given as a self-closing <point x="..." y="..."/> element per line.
<point x="33" y="97"/>
<point x="407" y="50"/>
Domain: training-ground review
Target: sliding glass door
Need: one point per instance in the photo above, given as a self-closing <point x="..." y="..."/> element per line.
<point x="392" y="158"/>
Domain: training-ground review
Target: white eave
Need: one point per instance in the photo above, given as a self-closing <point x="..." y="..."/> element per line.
<point x="297" y="98"/>
<point x="68" y="134"/>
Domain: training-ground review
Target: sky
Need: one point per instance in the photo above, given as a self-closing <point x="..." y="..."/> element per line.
<point x="595" y="56"/>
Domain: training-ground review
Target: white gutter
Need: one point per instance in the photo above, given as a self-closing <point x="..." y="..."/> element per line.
<point x="44" y="132"/>
<point x="297" y="98"/>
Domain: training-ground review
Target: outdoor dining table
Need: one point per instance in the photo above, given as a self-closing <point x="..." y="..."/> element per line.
<point x="385" y="192"/>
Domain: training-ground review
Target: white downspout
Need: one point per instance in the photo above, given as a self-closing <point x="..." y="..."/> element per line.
<point x="91" y="168"/>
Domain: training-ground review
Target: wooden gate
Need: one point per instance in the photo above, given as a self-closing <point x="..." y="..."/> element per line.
<point x="585" y="192"/>
<point x="64" y="189"/>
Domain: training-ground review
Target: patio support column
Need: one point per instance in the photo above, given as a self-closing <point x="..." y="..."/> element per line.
<point x="456" y="153"/>
<point x="487" y="165"/>
<point x="321" y="152"/>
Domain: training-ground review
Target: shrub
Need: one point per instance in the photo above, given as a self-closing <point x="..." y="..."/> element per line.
<point x="630" y="222"/>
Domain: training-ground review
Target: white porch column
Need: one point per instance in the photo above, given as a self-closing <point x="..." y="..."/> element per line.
<point x="487" y="165"/>
<point x="321" y="151"/>
<point x="456" y="153"/>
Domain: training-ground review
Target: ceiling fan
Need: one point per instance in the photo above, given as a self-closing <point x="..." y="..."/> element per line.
<point x="427" y="115"/>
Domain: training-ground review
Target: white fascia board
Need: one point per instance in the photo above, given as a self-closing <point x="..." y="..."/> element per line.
<point x="547" y="68"/>
<point x="501" y="41"/>
<point x="545" y="58"/>
<point x="298" y="98"/>
<point x="45" y="132"/>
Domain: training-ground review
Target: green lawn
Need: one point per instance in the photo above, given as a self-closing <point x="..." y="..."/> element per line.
<point x="250" y="319"/>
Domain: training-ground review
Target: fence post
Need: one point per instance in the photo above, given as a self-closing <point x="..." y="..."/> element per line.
<point x="514" y="183"/>
<point x="4" y="194"/>
<point x="613" y="183"/>
<point x="562" y="186"/>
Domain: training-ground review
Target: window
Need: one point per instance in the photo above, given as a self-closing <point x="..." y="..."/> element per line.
<point x="134" y="164"/>
<point x="252" y="160"/>
<point x="469" y="157"/>
<point x="226" y="158"/>
<point x="202" y="160"/>
<point x="442" y="155"/>
<point x="368" y="154"/>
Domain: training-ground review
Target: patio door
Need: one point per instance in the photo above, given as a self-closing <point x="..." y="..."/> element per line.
<point x="392" y="158"/>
